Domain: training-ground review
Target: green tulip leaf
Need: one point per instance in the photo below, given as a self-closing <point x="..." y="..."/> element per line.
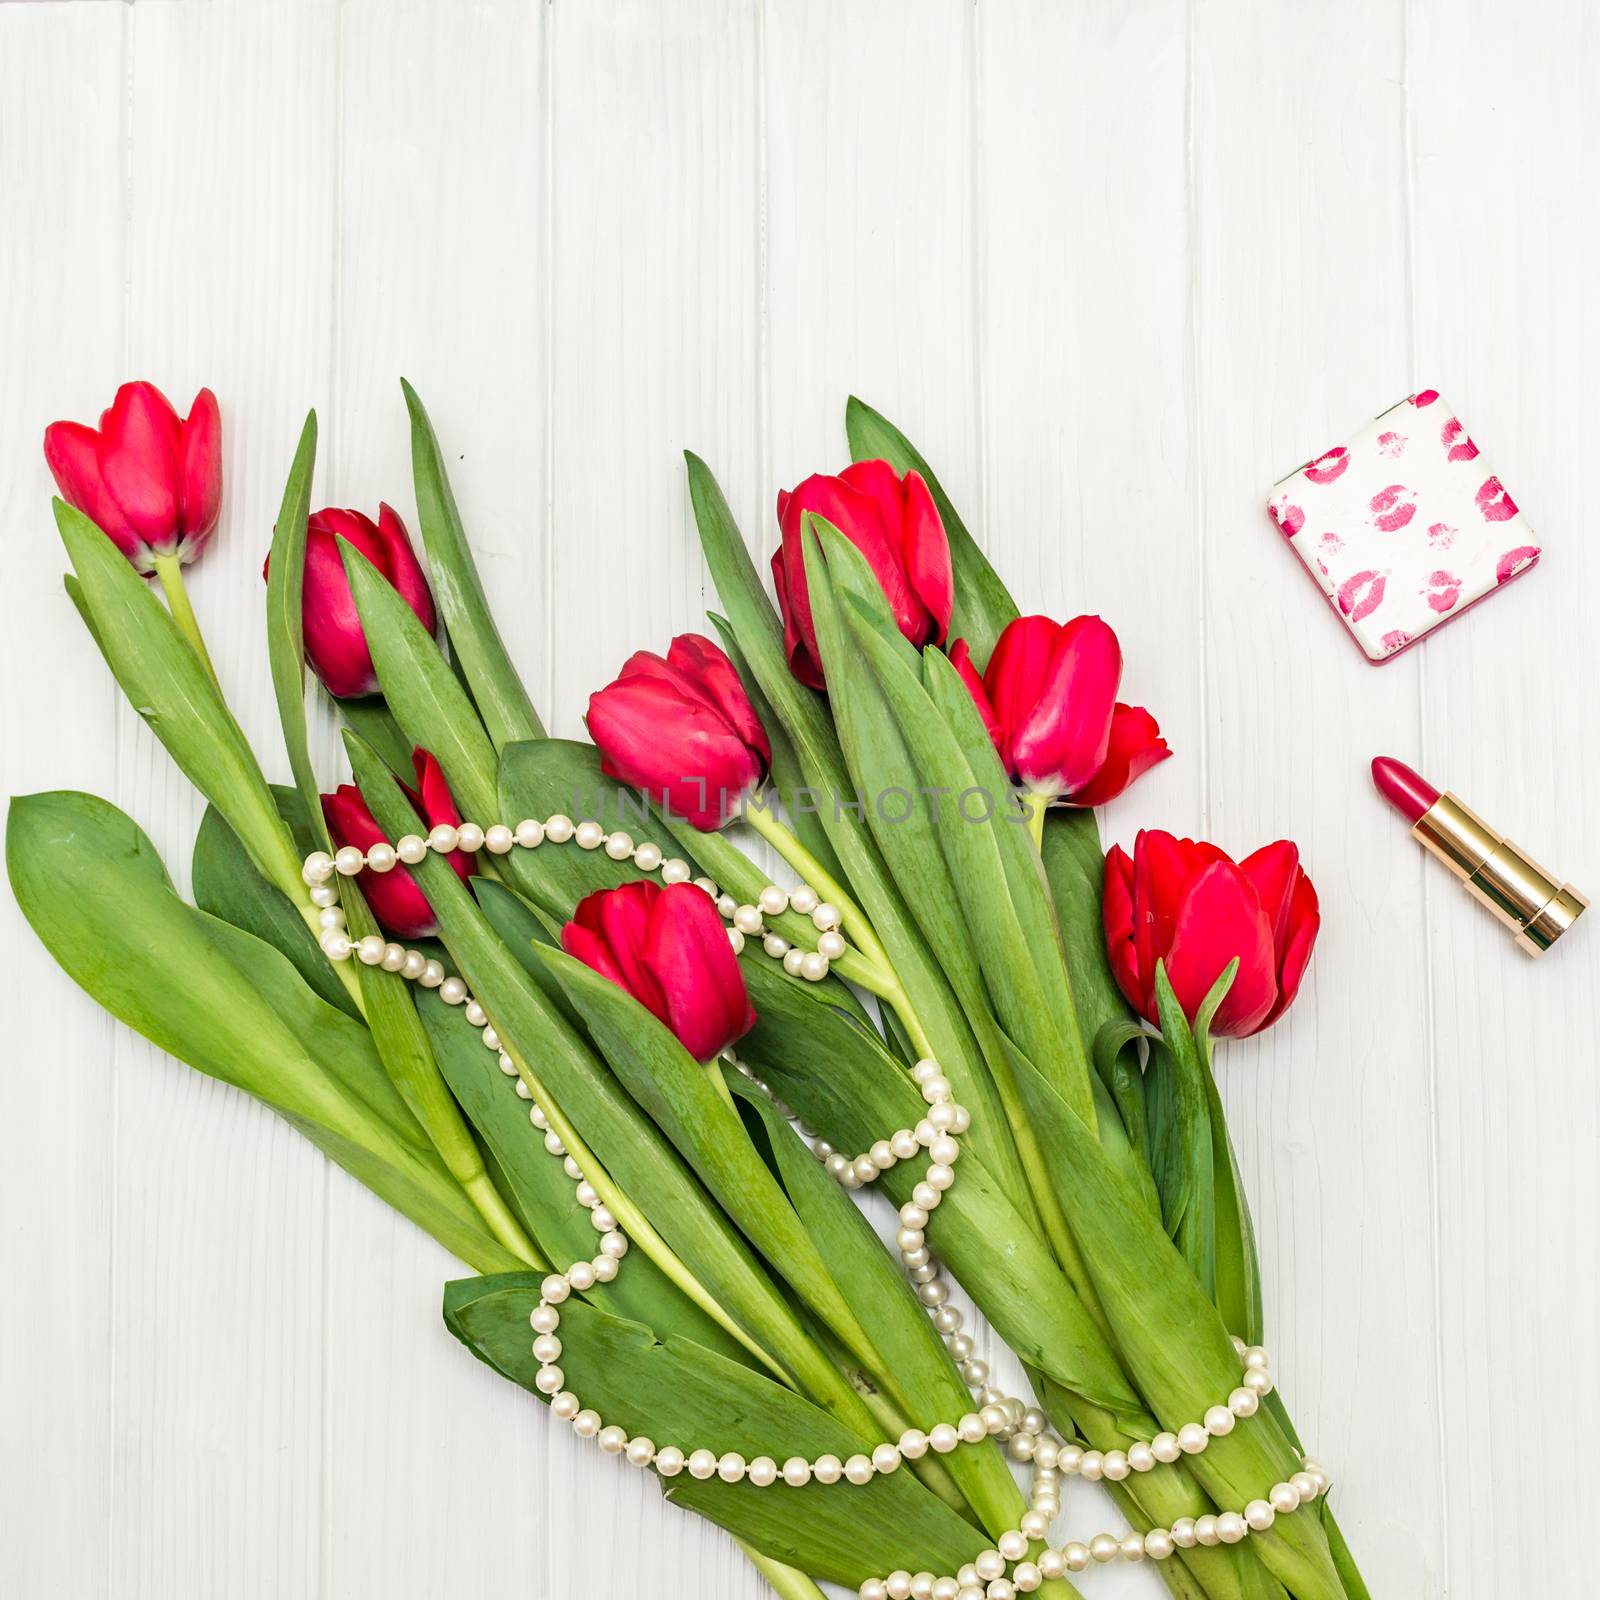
<point x="423" y="693"/>
<point x="672" y="1390"/>
<point x="983" y="606"/>
<point x="497" y="691"/>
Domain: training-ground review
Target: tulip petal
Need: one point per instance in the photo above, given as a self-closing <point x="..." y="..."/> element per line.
<point x="1163" y="867"/>
<point x="794" y="607"/>
<point x="925" y="550"/>
<point x="1220" y="919"/>
<point x="72" y="452"/>
<point x="623" y="920"/>
<point x="1274" y="869"/>
<point x="1060" y="741"/>
<point x="335" y="644"/>
<point x="437" y="804"/>
<point x="719" y="684"/>
<point x="140" y="444"/>
<point x="200" y="473"/>
<point x="688" y="951"/>
<point x="1116" y="911"/>
<point x="961" y="660"/>
<point x="397" y="561"/>
<point x="1135" y="745"/>
<point x="1294" y="954"/>
<point x="399" y="905"/>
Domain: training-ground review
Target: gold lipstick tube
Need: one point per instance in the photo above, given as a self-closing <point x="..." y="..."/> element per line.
<point x="1536" y="908"/>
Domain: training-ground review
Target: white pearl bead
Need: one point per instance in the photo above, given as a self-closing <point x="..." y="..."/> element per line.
<point x="1158" y="1544"/>
<point x="831" y="946"/>
<point x="675" y="870"/>
<point x="925" y="1196"/>
<point x="669" y="1461"/>
<point x="318" y="867"/>
<point x="614" y="1245"/>
<point x="381" y="857"/>
<point x="747" y="919"/>
<point x="554" y="1289"/>
<point x="350" y="860"/>
<point x="1013" y="1545"/>
<point x="559" y="828"/>
<point x="1000" y="1589"/>
<point x="932" y="1294"/>
<point x="469" y="837"/>
<point x="1218" y="1421"/>
<point x="904" y="1144"/>
<point x="762" y="1471"/>
<point x="581" y="1275"/>
<point x="936" y="1088"/>
<point x="1089" y="1467"/>
<point x="411" y="849"/>
<point x="885" y="1459"/>
<point x="825" y="918"/>
<point x="499" y="839"/>
<point x="1284" y="1497"/>
<point x="1105" y="1547"/>
<point x="969" y="1591"/>
<point x="544" y="1318"/>
<point x="586" y="1424"/>
<point x="1255" y="1357"/>
<point x="776" y="946"/>
<point x="898" y="1585"/>
<point x="702" y="1463"/>
<point x="730" y="1468"/>
<point x="370" y="950"/>
<point x="736" y="941"/>
<point x="1244" y="1402"/>
<point x="529" y="833"/>
<point x="1205" y="1530"/>
<point x="432" y="975"/>
<point x="972" y="1428"/>
<point x="1027" y="1577"/>
<point x="803" y="898"/>
<point x="792" y="960"/>
<point x="989" y="1564"/>
<point x="827" y="1469"/>
<point x="1231" y="1527"/>
<point x="1192" y="1438"/>
<point x="1259" y="1515"/>
<point x="1115" y="1466"/>
<point x="1052" y="1563"/>
<point x="1033" y="1525"/>
<point x="1165" y="1447"/>
<point x="619" y="846"/>
<point x="874" y="1589"/>
<point x="589" y="835"/>
<point x="976" y="1374"/>
<point x="335" y="945"/>
<point x="452" y="991"/>
<point x="943" y="1438"/>
<point x="858" y="1469"/>
<point x="1075" y="1555"/>
<point x="796" y="1471"/>
<point x="330" y="917"/>
<point x="1141" y="1457"/>
<point x="443" y="838"/>
<point x="641" y="1451"/>
<point x="1045" y="1455"/>
<point x="913" y="1445"/>
<point x="414" y="966"/>
<point x="548" y="1380"/>
<point x="922" y="1586"/>
<point x="605" y="1269"/>
<point x="1258" y="1381"/>
<point x="813" y="967"/>
<point x="394" y="957"/>
<point x="612" y="1440"/>
<point x="647" y="856"/>
<point x="324" y="895"/>
<point x="1183" y="1533"/>
<point x="1306" y="1484"/>
<point x="547" y="1348"/>
<point x="773" y="901"/>
<point x="565" y="1405"/>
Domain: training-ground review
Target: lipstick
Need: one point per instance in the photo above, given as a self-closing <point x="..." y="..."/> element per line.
<point x="1526" y="899"/>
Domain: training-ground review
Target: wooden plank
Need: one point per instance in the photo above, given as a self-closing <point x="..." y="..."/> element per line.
<point x="61" y="326"/>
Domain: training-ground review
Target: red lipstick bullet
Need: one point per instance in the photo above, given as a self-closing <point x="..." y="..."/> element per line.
<point x="1525" y="898"/>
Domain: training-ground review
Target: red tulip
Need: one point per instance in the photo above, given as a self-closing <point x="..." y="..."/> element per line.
<point x="893" y="522"/>
<point x="335" y="644"/>
<point x="396" y="901"/>
<point x="669" y="950"/>
<point x="682" y="728"/>
<point x="150" y="480"/>
<point x="1049" y="701"/>
<point x="1190" y="906"/>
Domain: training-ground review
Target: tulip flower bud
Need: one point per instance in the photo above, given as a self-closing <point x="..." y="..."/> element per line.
<point x="335" y="644"/>
<point x="1049" y="701"/>
<point x="669" y="950"/>
<point x="894" y="523"/>
<point x="1187" y="904"/>
<point x="148" y="479"/>
<point x="394" y="897"/>
<point x="682" y="729"/>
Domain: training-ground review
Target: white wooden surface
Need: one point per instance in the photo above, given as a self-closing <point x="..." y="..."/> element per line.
<point x="1115" y="268"/>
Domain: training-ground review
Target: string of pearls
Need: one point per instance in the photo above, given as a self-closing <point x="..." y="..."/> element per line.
<point x="1014" y="1565"/>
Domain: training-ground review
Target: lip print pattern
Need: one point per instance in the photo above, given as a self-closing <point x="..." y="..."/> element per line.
<point x="1515" y="561"/>
<point x="1332" y="543"/>
<point x="1394" y="507"/>
<point x="1441" y="535"/>
<point x="1361" y="595"/>
<point x="1392" y="445"/>
<point x="1457" y="444"/>
<point x="1444" y="589"/>
<point x="1290" y="519"/>
<point x="1329" y="466"/>
<point x="1493" y="501"/>
<point x="1425" y="398"/>
<point x="1394" y="639"/>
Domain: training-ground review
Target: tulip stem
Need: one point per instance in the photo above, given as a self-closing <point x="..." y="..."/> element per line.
<point x="1035" y="804"/>
<point x="853" y="919"/>
<point x="169" y="569"/>
<point x="343" y="969"/>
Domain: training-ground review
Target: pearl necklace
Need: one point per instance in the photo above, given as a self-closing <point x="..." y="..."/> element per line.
<point x="1014" y="1565"/>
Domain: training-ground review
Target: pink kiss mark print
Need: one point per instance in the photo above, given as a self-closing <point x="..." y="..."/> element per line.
<point x="1444" y="589"/>
<point x="1394" y="507"/>
<point x="1425" y="398"/>
<point x="1493" y="501"/>
<point x="1458" y="446"/>
<point x="1332" y="542"/>
<point x="1290" y="519"/>
<point x="1361" y="595"/>
<point x="1391" y="445"/>
<point x="1515" y="561"/>
<point x="1329" y="465"/>
<point x="1395" y="639"/>
<point x="1441" y="535"/>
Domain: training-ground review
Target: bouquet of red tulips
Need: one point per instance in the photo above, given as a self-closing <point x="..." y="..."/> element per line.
<point x="535" y="995"/>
